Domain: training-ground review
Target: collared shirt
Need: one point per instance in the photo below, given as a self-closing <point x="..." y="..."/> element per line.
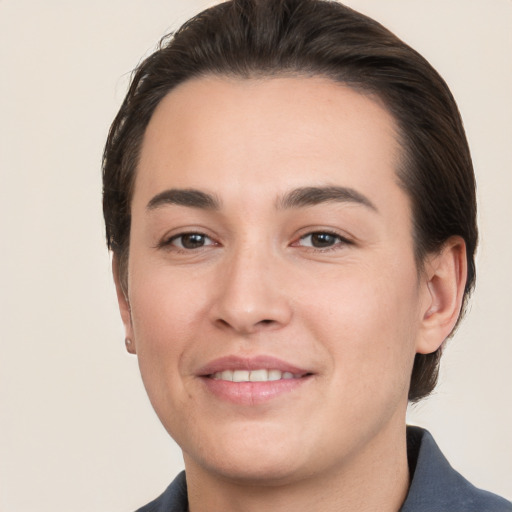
<point x="435" y="485"/>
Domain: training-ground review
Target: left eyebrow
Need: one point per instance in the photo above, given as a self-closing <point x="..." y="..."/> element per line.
<point x="311" y="196"/>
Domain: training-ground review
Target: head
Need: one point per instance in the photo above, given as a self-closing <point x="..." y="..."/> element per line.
<point x="251" y="40"/>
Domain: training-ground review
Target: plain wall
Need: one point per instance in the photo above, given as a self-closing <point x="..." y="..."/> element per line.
<point x="76" y="429"/>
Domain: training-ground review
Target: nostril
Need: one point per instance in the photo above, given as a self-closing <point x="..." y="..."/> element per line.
<point x="266" y="321"/>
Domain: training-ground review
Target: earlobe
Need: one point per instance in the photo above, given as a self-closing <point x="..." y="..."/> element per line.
<point x="124" y="307"/>
<point x="445" y="274"/>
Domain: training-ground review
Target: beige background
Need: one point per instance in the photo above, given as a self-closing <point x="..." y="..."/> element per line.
<point x="76" y="430"/>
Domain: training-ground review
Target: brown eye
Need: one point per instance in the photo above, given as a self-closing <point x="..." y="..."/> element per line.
<point x="191" y="241"/>
<point x="322" y="240"/>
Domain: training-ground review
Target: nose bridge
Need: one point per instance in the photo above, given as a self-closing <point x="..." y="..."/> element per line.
<point x="251" y="294"/>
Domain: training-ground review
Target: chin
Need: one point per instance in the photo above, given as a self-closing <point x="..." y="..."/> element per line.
<point x="251" y="458"/>
<point x="259" y="471"/>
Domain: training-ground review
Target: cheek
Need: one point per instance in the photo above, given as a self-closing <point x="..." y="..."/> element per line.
<point x="369" y="322"/>
<point x="165" y="318"/>
<point x="165" y="306"/>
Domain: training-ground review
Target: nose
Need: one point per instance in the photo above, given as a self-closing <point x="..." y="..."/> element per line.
<point x="251" y="294"/>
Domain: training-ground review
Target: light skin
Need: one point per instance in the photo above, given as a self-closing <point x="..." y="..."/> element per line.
<point x="267" y="221"/>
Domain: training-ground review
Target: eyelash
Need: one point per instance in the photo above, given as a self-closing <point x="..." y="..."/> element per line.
<point x="166" y="243"/>
<point x="339" y="241"/>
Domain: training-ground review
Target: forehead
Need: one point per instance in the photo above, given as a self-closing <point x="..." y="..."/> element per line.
<point x="239" y="135"/>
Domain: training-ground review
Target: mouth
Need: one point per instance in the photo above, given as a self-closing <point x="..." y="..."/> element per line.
<point x="259" y="375"/>
<point x="251" y="381"/>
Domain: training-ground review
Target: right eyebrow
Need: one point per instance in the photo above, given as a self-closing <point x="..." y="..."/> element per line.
<point x="189" y="197"/>
<point x="311" y="196"/>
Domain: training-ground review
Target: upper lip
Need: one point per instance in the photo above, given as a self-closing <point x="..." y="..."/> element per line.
<point x="249" y="363"/>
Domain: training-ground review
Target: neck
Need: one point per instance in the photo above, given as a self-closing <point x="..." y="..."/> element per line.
<point x="375" y="479"/>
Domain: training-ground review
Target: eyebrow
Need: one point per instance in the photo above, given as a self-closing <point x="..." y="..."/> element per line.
<point x="191" y="198"/>
<point x="311" y="196"/>
<point x="297" y="198"/>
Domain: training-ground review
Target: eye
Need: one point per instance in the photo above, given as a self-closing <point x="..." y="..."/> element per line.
<point x="321" y="240"/>
<point x="190" y="241"/>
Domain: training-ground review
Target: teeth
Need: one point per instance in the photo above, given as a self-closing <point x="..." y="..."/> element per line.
<point x="226" y="375"/>
<point x="262" y="375"/>
<point x="274" y="375"/>
<point x="258" y="376"/>
<point x="241" y="376"/>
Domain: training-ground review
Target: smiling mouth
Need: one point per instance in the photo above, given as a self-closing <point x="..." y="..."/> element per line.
<point x="253" y="387"/>
<point x="249" y="381"/>
<point x="259" y="375"/>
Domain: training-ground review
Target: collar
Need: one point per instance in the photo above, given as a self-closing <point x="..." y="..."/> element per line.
<point x="435" y="485"/>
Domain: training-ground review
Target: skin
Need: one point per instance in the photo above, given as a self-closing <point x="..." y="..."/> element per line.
<point x="353" y="312"/>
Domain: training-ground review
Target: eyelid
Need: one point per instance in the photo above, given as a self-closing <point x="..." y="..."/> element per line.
<point x="166" y="242"/>
<point x="181" y="235"/>
<point x="342" y="240"/>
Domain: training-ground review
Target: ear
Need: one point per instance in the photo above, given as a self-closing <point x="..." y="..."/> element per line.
<point x="124" y="306"/>
<point x="444" y="281"/>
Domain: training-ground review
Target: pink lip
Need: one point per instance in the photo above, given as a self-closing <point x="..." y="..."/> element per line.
<point x="251" y="393"/>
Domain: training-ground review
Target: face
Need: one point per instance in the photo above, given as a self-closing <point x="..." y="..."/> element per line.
<point x="274" y="302"/>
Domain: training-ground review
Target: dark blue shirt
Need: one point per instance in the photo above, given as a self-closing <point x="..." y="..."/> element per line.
<point x="435" y="485"/>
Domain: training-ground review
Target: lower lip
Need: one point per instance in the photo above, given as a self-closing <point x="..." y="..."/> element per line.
<point x="252" y="393"/>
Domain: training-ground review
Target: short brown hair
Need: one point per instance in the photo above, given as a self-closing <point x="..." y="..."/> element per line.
<point x="254" y="38"/>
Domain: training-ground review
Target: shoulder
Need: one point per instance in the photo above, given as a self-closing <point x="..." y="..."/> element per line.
<point x="173" y="499"/>
<point x="436" y="486"/>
